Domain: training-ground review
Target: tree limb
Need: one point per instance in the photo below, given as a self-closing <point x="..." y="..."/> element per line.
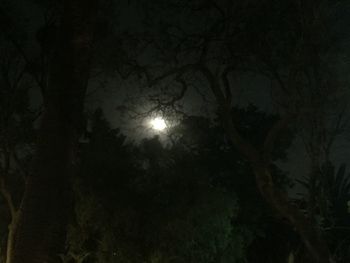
<point x="3" y="188"/>
<point x="272" y="136"/>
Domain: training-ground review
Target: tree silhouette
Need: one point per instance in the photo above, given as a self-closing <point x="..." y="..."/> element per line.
<point x="241" y="37"/>
<point x="39" y="228"/>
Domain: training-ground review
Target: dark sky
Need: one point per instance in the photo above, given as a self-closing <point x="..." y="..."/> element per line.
<point x="250" y="89"/>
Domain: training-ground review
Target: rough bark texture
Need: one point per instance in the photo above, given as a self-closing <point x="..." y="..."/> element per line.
<point x="39" y="232"/>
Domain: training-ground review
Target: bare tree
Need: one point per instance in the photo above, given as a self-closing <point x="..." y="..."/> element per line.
<point x="253" y="37"/>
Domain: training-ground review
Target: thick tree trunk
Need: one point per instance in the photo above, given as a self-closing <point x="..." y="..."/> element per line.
<point x="11" y="208"/>
<point x="277" y="199"/>
<point x="10" y="239"/>
<point x="39" y="232"/>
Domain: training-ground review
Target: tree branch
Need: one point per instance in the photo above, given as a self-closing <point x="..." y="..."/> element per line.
<point x="243" y="146"/>
<point x="273" y="134"/>
<point x="3" y="188"/>
<point x="226" y="83"/>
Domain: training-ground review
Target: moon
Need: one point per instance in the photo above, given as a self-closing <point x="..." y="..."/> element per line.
<point x="158" y="124"/>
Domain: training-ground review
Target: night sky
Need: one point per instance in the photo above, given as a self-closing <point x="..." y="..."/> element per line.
<point x="249" y="89"/>
<point x="168" y="194"/>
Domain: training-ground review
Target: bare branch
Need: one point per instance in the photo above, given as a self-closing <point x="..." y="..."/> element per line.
<point x="3" y="188"/>
<point x="184" y="88"/>
<point x="8" y="197"/>
<point x="174" y="71"/>
<point x="243" y="146"/>
<point x="226" y="83"/>
<point x="272" y="136"/>
<point x="20" y="165"/>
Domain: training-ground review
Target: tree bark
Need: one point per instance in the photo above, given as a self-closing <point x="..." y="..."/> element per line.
<point x="40" y="229"/>
<point x="5" y="192"/>
<point x="260" y="163"/>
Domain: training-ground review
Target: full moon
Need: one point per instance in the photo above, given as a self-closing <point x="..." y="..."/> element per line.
<point x="158" y="124"/>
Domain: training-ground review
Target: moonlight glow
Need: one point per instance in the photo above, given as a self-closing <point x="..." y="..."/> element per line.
<point x="158" y="124"/>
